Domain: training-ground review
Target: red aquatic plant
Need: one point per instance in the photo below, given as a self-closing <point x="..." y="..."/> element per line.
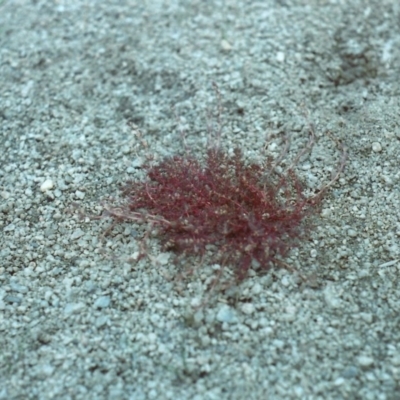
<point x="237" y="213"/>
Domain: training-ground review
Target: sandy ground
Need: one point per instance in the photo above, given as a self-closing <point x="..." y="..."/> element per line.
<point x="82" y="318"/>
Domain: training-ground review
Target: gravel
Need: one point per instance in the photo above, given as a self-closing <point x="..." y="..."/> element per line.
<point x="88" y="91"/>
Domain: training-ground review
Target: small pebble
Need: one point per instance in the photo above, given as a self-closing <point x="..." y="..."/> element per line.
<point x="79" y="195"/>
<point x="352" y="233"/>
<point x="248" y="308"/>
<point x="18" y="288"/>
<point x="226" y="314"/>
<point x="12" y="299"/>
<point x="163" y="258"/>
<point x="77" y="234"/>
<point x="225" y="45"/>
<point x="280" y="56"/>
<point x="350" y="372"/>
<point x="102" y="302"/>
<point x="138" y="162"/>
<point x="195" y="302"/>
<point x="48" y="184"/>
<point x="73" y="308"/>
<point x="376" y="147"/>
<point x="151" y="337"/>
<point x="257" y="289"/>
<point x="339" y="381"/>
<point x="396" y="360"/>
<point x="101" y="321"/>
<point x="285" y="281"/>
<point x="44" y="371"/>
<point x="365" y="361"/>
<point x="331" y="299"/>
<point x="313" y="253"/>
<point x="367" y="317"/>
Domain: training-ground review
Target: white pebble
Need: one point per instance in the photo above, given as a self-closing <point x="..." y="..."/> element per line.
<point x="331" y="298"/>
<point x="152" y="337"/>
<point x="326" y="212"/>
<point x="285" y="281"/>
<point x="352" y="233"/>
<point x="48" y="184"/>
<point x="387" y="179"/>
<point x="339" y="381"/>
<point x="18" y="288"/>
<point x="79" y="195"/>
<point x="257" y="288"/>
<point x="367" y="317"/>
<point x="225" y="45"/>
<point x="248" y="308"/>
<point x="73" y="308"/>
<point x="313" y="253"/>
<point x="365" y="361"/>
<point x="163" y="258"/>
<point x="280" y="56"/>
<point x="226" y="314"/>
<point x="77" y="234"/>
<point x="101" y="321"/>
<point x="396" y="360"/>
<point x="45" y="371"/>
<point x="376" y="147"/>
<point x="195" y="302"/>
<point x="388" y="264"/>
<point x="138" y="162"/>
<point x="102" y="302"/>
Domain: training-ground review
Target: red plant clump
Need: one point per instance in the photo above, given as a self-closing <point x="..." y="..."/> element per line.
<point x="238" y="212"/>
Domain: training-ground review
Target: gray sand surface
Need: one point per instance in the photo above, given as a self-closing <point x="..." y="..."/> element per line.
<point x="82" y="318"/>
